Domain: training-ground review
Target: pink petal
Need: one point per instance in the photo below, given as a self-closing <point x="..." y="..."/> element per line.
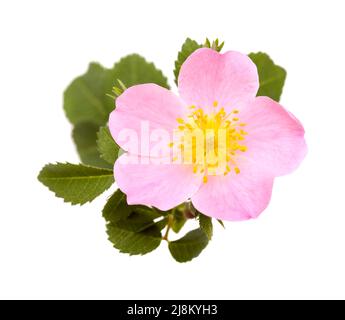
<point x="275" y="138"/>
<point x="163" y="186"/>
<point x="231" y="79"/>
<point x="235" y="197"/>
<point x="141" y="110"/>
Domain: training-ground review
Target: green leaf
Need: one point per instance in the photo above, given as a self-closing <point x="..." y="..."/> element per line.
<point x="216" y="44"/>
<point x="134" y="69"/>
<point x="178" y="221"/>
<point x="188" y="247"/>
<point x="161" y="212"/>
<point x="136" y="222"/>
<point x="205" y="223"/>
<point x="84" y="136"/>
<point x="87" y="103"/>
<point x="107" y="147"/>
<point x="85" y="98"/>
<point x="116" y="207"/>
<point x="147" y="211"/>
<point x="221" y="223"/>
<point x="131" y="228"/>
<point x="128" y="241"/>
<point x="76" y="184"/>
<point x="271" y="76"/>
<point x="161" y="224"/>
<point x="187" y="49"/>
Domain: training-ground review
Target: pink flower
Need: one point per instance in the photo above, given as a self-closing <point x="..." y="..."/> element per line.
<point x="217" y="92"/>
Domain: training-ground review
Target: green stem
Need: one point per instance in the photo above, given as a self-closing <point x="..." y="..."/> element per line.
<point x="170" y="221"/>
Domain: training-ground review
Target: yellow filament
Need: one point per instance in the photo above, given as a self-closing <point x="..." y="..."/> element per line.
<point x="221" y="141"/>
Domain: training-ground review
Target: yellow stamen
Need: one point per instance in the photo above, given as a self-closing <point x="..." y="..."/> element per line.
<point x="189" y="126"/>
<point x="220" y="144"/>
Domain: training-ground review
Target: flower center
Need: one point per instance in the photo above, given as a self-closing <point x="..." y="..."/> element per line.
<point x="211" y="142"/>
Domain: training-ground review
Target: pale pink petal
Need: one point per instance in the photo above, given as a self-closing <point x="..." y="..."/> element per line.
<point x="206" y="76"/>
<point x="275" y="137"/>
<point x="235" y="197"/>
<point x="141" y="110"/>
<point x="163" y="186"/>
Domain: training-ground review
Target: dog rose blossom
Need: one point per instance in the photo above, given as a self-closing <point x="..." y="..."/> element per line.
<point x="246" y="141"/>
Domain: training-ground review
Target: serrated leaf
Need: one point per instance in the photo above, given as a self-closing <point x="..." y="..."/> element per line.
<point x="188" y="47"/>
<point x="116" y="207"/>
<point x="85" y="98"/>
<point x="179" y="221"/>
<point x="131" y="228"/>
<point x="76" y="184"/>
<point x="161" y="224"/>
<point x="136" y="222"/>
<point x="221" y="223"/>
<point x="134" y="69"/>
<point x="205" y="224"/>
<point x="134" y="243"/>
<point x="147" y="211"/>
<point x="188" y="247"/>
<point x="161" y="212"/>
<point x="107" y="147"/>
<point x="215" y="45"/>
<point x="271" y="76"/>
<point x="84" y="135"/>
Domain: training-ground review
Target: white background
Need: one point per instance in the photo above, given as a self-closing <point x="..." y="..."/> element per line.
<point x="49" y="249"/>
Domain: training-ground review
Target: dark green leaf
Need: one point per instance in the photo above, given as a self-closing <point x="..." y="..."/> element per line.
<point x="136" y="222"/>
<point x="188" y="247"/>
<point x="205" y="223"/>
<point x="129" y="241"/>
<point x="161" y="224"/>
<point x="146" y="211"/>
<point x="271" y="76"/>
<point x="187" y="49"/>
<point x="85" y="98"/>
<point x="215" y="45"/>
<point x="116" y="207"/>
<point x="161" y="212"/>
<point x="76" y="184"/>
<point x="107" y="147"/>
<point x="131" y="228"/>
<point x="134" y="69"/>
<point x="84" y="136"/>
<point x="179" y="221"/>
<point x="221" y="223"/>
<point x="87" y="103"/>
